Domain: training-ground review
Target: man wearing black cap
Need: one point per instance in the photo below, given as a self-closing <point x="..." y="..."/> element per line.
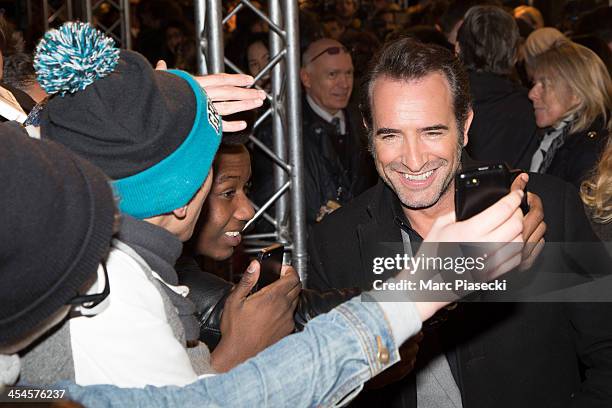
<point x="57" y="222"/>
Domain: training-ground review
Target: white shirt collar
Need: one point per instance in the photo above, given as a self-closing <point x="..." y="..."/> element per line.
<point x="325" y="115"/>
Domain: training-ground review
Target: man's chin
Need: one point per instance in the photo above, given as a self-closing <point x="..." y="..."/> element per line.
<point x="418" y="204"/>
<point x="418" y="199"/>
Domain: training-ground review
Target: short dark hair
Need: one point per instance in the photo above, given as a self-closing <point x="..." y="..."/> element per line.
<point x="456" y="11"/>
<point x="406" y="59"/>
<point x="253" y="38"/>
<point x="424" y="34"/>
<point x="488" y="40"/>
<point x="19" y="70"/>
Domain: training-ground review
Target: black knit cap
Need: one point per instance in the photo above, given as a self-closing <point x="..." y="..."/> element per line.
<point x="125" y="122"/>
<point x="154" y="133"/>
<point x="57" y="223"/>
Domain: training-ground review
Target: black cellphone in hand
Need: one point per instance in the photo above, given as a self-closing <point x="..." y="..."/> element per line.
<point x="271" y="261"/>
<point x="478" y="188"/>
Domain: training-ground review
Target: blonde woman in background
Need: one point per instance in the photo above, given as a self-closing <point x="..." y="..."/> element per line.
<point x="571" y="97"/>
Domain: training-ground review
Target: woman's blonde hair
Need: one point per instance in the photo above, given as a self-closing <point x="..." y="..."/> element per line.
<point x="596" y="192"/>
<point x="539" y="41"/>
<point x="582" y="71"/>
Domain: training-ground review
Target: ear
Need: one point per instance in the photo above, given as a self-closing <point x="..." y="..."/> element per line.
<point x="466" y="127"/>
<point x="180" y="213"/>
<point x="457" y="48"/>
<point x="305" y="78"/>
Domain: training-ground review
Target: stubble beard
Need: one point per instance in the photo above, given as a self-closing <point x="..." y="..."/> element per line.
<point x="405" y="196"/>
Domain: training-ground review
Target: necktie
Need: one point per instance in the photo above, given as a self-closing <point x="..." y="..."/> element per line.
<point x="336" y="123"/>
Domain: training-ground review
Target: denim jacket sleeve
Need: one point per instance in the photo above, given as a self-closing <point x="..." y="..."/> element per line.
<point x="332" y="358"/>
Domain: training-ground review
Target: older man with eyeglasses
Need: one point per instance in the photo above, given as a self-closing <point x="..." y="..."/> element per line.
<point x="335" y="161"/>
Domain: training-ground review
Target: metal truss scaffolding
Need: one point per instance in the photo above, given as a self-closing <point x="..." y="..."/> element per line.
<point x="110" y="16"/>
<point x="117" y="27"/>
<point x="284" y="112"/>
<point x="53" y="13"/>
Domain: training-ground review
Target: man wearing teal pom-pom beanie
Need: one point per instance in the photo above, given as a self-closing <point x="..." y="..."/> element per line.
<point x="155" y="134"/>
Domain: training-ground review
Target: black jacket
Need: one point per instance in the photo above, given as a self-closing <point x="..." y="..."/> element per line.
<point x="580" y="153"/>
<point x="504" y="128"/>
<point x="327" y="174"/>
<point x="501" y="354"/>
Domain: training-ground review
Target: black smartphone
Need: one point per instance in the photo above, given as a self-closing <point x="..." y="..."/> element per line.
<point x="478" y="188"/>
<point x="271" y="261"/>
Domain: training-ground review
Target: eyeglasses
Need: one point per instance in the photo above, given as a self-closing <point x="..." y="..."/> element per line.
<point x="335" y="50"/>
<point x="91" y="301"/>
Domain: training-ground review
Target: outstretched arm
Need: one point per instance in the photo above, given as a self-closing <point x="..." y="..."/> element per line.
<point x="229" y="94"/>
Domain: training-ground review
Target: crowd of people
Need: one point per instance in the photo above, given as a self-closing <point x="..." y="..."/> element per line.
<point x="131" y="176"/>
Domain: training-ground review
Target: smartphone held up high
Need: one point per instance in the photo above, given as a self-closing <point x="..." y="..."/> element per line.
<point x="478" y="188"/>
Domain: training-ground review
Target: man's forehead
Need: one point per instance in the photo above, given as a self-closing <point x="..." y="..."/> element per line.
<point x="428" y="95"/>
<point x="319" y="46"/>
<point x="342" y="60"/>
<point x="231" y="166"/>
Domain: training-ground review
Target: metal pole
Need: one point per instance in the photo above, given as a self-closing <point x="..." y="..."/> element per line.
<point x="29" y="12"/>
<point x="126" y="31"/>
<point x="202" y="43"/>
<point x="89" y="11"/>
<point x="69" y="10"/>
<point x="285" y="112"/>
<point x="214" y="20"/>
<point x="294" y="125"/>
<point x="46" y="14"/>
<point x="278" y="132"/>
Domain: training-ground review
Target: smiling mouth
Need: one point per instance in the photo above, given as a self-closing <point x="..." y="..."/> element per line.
<point x="232" y="234"/>
<point x="418" y="177"/>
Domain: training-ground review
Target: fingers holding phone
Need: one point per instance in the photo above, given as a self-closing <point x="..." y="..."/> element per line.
<point x="290" y="274"/>
<point x="252" y="322"/>
<point x="500" y="227"/>
<point x="480" y="191"/>
<point x="496" y="234"/>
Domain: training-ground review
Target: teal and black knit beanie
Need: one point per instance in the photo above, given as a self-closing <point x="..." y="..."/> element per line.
<point x="154" y="133"/>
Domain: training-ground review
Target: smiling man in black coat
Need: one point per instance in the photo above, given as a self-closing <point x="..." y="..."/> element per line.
<point x="513" y="354"/>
